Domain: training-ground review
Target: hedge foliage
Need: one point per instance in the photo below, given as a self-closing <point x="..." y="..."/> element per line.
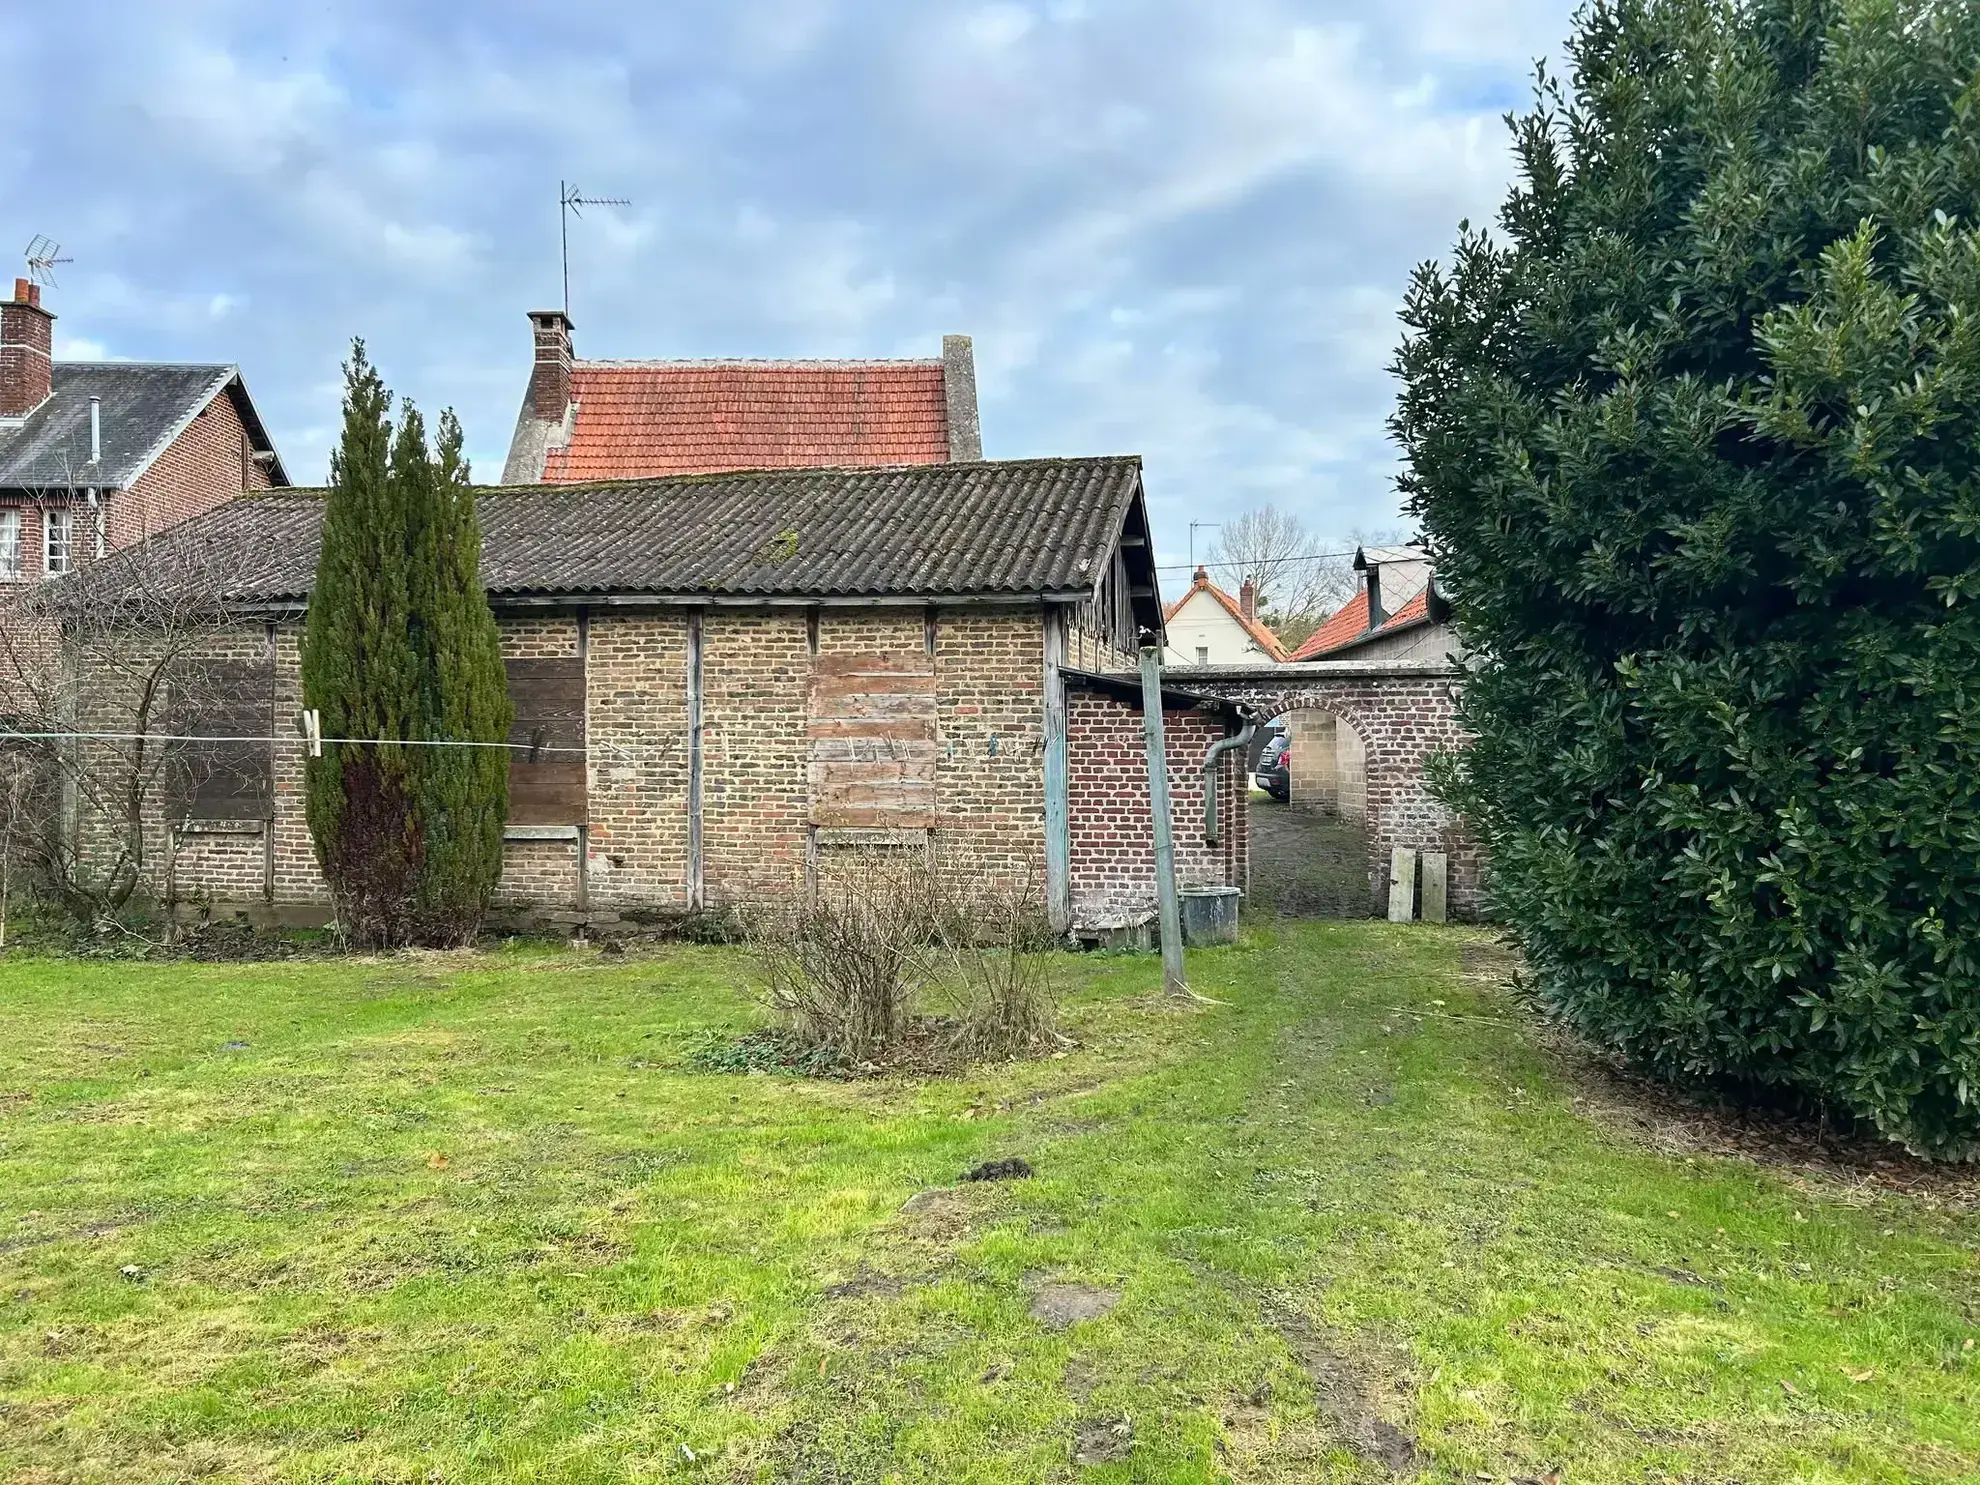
<point x="1696" y="440"/>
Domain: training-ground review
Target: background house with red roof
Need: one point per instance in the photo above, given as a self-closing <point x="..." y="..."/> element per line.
<point x="1395" y="616"/>
<point x="1206" y="626"/>
<point x="604" y="420"/>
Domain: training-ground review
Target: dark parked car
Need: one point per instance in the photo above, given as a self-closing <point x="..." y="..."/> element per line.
<point x="1275" y="767"/>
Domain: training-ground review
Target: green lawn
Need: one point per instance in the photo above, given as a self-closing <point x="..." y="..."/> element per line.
<point x="471" y="1219"/>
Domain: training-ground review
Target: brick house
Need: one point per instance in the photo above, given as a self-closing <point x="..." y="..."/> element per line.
<point x="611" y="420"/>
<point x="721" y="681"/>
<point x="97" y="455"/>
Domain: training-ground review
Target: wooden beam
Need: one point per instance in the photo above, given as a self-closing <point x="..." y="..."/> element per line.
<point x="1158" y="807"/>
<point x="1058" y="819"/>
<point x="694" y="872"/>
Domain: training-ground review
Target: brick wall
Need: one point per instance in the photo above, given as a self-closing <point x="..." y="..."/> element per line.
<point x="636" y="720"/>
<point x="204" y="466"/>
<point x="756" y="792"/>
<point x="1111" y="823"/>
<point x="1398" y="721"/>
<point x="756" y="750"/>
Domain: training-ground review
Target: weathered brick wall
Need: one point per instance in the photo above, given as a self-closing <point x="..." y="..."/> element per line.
<point x="756" y="789"/>
<point x="990" y="742"/>
<point x="204" y="466"/>
<point x="1111" y="822"/>
<point x="219" y="864"/>
<point x="297" y="881"/>
<point x="636" y="720"/>
<point x="215" y="862"/>
<point x="1399" y="720"/>
<point x="755" y="792"/>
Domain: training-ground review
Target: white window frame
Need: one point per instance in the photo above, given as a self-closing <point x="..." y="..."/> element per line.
<point x="10" y="546"/>
<point x="58" y="540"/>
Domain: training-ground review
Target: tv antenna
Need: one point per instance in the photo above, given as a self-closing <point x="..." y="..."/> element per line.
<point x="43" y="254"/>
<point x="572" y="202"/>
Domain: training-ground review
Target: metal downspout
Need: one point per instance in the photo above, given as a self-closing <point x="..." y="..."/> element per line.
<point x="1217" y="750"/>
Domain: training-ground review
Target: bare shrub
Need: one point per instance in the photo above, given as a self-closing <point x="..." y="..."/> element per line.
<point x="995" y="941"/>
<point x="891" y="950"/>
<point x="842" y="963"/>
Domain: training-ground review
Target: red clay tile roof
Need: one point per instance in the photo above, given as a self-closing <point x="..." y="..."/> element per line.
<point x="640" y="419"/>
<point x="1264" y="638"/>
<point x="1350" y="623"/>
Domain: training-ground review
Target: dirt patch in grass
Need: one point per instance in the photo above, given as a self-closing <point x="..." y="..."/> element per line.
<point x="1060" y="1306"/>
<point x="1103" y="1440"/>
<point x="1343" y="1393"/>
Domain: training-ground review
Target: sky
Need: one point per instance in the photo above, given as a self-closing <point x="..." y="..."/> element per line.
<point x="1177" y="228"/>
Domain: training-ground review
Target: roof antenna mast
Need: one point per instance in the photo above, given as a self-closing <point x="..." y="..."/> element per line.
<point x="43" y="254"/>
<point x="571" y="202"/>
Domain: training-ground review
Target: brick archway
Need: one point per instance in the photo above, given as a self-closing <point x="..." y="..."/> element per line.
<point x="1403" y="714"/>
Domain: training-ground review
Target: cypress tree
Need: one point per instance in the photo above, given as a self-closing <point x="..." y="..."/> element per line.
<point x="361" y="673"/>
<point x="400" y="644"/>
<point x="462" y="793"/>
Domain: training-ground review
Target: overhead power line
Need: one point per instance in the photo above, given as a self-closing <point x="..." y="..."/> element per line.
<point x="1260" y="562"/>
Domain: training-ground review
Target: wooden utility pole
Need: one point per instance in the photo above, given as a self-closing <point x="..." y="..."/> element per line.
<point x="1158" y="808"/>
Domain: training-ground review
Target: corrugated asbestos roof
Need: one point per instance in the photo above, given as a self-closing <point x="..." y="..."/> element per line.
<point x="142" y="406"/>
<point x="638" y="419"/>
<point x="1017" y="527"/>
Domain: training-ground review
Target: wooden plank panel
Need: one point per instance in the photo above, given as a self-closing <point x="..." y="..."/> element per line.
<point x="851" y="818"/>
<point x="222" y="780"/>
<point x="1402" y="886"/>
<point x="875" y="662"/>
<point x="547" y="793"/>
<point x="548" y="695"/>
<point x="1436" y="866"/>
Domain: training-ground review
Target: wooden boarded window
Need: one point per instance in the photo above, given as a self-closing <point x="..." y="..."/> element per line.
<point x="873" y="741"/>
<point x="547" y="788"/>
<point x="215" y="777"/>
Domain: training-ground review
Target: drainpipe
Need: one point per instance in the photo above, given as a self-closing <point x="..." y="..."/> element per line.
<point x="1217" y="750"/>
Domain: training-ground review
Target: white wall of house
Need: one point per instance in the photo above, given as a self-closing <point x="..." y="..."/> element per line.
<point x="1204" y="633"/>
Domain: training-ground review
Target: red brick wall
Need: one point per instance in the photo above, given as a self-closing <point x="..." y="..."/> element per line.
<point x="204" y="466"/>
<point x="1111" y="825"/>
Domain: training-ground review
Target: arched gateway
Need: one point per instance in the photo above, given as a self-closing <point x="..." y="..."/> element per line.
<point x="1400" y="713"/>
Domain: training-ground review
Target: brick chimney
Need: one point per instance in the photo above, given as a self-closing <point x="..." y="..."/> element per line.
<point x="550" y="378"/>
<point x="1248" y="599"/>
<point x="26" y="344"/>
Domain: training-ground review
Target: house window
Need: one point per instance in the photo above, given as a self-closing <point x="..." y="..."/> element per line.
<point x="1203" y="654"/>
<point x="10" y="545"/>
<point x="55" y="529"/>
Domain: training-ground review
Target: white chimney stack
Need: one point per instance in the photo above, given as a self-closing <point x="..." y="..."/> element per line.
<point x="95" y="430"/>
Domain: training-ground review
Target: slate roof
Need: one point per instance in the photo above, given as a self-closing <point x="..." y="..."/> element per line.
<point x="636" y="419"/>
<point x="144" y="407"/>
<point x="1349" y="625"/>
<point x="1267" y="642"/>
<point x="1021" y="527"/>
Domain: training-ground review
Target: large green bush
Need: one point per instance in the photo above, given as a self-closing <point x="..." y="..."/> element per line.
<point x="1696" y="438"/>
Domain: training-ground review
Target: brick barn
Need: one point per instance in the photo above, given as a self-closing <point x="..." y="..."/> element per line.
<point x="721" y="680"/>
